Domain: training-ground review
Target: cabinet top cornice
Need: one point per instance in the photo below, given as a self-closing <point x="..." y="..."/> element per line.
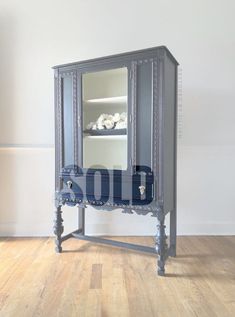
<point x="153" y="50"/>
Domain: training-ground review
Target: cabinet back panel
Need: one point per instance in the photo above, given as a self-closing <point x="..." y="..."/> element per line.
<point x="105" y="153"/>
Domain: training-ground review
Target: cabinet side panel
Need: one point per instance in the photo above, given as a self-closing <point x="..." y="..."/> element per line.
<point x="57" y="127"/>
<point x="144" y="114"/>
<point x="169" y="137"/>
<point x="68" y="153"/>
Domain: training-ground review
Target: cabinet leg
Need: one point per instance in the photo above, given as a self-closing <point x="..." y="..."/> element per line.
<point x="173" y="233"/>
<point x="58" y="229"/>
<point x="161" y="246"/>
<point x="81" y="219"/>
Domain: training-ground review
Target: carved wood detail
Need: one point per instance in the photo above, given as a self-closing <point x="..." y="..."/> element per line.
<point x="58" y="229"/>
<point x="161" y="246"/>
<point x="133" y="110"/>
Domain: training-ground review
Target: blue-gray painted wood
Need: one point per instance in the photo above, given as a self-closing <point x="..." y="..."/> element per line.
<point x="170" y="148"/>
<point x="161" y="247"/>
<point x="152" y="136"/>
<point x="144" y="53"/>
<point x="121" y="244"/>
<point x="144" y="114"/>
<point x="58" y="229"/>
<point x="67" y="113"/>
<point x="169" y="113"/>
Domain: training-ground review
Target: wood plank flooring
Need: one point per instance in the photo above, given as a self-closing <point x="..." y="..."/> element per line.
<point x="88" y="279"/>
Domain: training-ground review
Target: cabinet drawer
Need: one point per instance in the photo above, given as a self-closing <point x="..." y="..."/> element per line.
<point x="97" y="189"/>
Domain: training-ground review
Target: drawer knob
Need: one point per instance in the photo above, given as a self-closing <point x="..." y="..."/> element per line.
<point x="69" y="184"/>
<point x="142" y="189"/>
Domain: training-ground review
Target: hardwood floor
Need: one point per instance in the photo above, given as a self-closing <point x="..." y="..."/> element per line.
<point x="95" y="280"/>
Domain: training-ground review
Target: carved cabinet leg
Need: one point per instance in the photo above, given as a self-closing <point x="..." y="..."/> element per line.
<point x="161" y="246"/>
<point x="81" y="219"/>
<point x="173" y="233"/>
<point x="58" y="229"/>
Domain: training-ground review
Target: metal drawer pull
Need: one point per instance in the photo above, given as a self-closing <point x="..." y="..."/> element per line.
<point x="69" y="184"/>
<point x="142" y="189"/>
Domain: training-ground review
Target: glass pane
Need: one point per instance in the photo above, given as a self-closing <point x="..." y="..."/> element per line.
<point x="67" y="94"/>
<point x="105" y="119"/>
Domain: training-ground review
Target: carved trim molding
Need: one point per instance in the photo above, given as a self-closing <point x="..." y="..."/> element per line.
<point x="155" y="119"/>
<point x="153" y="207"/>
<point x="160" y="80"/>
<point x="56" y="101"/>
<point x="161" y="246"/>
<point x="60" y="123"/>
<point x="133" y="110"/>
<point x="144" y="61"/>
<point x="58" y="228"/>
<point x="75" y="118"/>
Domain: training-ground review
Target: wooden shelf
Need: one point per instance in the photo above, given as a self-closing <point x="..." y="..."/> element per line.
<point x="107" y="100"/>
<point x="106" y="137"/>
<point x="106" y="132"/>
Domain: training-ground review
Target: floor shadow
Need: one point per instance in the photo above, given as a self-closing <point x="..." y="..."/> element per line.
<point x="201" y="256"/>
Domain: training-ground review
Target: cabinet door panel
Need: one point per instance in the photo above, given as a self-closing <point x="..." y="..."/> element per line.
<point x="105" y="111"/>
<point x="144" y="114"/>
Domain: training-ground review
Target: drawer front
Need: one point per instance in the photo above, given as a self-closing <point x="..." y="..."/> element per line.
<point x="98" y="190"/>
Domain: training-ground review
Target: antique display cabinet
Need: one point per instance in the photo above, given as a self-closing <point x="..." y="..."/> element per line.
<point x="115" y="142"/>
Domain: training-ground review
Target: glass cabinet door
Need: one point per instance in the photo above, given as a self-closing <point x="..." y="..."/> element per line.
<point x="105" y="113"/>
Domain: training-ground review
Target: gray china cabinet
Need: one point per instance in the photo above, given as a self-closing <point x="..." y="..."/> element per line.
<point x="115" y="142"/>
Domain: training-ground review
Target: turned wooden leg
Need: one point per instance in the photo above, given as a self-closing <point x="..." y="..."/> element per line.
<point x="172" y="251"/>
<point x="58" y="229"/>
<point x="81" y="219"/>
<point x="161" y="246"/>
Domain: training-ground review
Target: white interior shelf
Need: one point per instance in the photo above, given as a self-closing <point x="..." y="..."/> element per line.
<point x="105" y="137"/>
<point x="108" y="100"/>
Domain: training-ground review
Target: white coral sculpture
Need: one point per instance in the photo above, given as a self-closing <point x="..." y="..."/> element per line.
<point x="90" y="125"/>
<point x="116" y="117"/>
<point x="120" y="125"/>
<point x="122" y="122"/>
<point x="108" y="121"/>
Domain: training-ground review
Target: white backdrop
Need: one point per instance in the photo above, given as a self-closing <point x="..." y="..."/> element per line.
<point x="35" y="35"/>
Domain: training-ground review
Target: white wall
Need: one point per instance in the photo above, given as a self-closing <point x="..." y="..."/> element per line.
<point x="35" y="35"/>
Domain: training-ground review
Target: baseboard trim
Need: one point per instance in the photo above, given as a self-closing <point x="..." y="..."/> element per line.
<point x="100" y="229"/>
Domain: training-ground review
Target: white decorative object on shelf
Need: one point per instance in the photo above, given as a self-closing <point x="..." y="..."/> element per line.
<point x="116" y="117"/>
<point x="108" y="121"/>
<point x="120" y="125"/>
<point x="90" y="125"/>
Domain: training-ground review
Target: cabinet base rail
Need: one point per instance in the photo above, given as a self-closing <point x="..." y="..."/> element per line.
<point x="115" y="243"/>
<point x="132" y="246"/>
